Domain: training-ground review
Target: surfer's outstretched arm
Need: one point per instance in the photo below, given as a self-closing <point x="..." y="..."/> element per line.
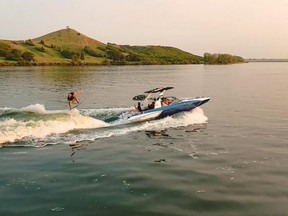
<point x="75" y="97"/>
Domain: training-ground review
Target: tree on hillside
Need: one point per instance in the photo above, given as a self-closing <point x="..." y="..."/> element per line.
<point x="29" y="42"/>
<point x="82" y="57"/>
<point x="40" y="49"/>
<point x="75" y="59"/>
<point x="222" y="59"/>
<point x="133" y="57"/>
<point x="5" y="49"/>
<point x="14" y="55"/>
<point x="92" y="52"/>
<point x="68" y="54"/>
<point x="116" y="55"/>
<point x="28" y="56"/>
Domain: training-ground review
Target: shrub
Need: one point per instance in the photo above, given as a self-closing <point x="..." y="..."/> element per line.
<point x="5" y="49"/>
<point x="14" y="55"/>
<point x="40" y="49"/>
<point x="29" y="43"/>
<point x="68" y="54"/>
<point x="92" y="52"/>
<point x="28" y="56"/>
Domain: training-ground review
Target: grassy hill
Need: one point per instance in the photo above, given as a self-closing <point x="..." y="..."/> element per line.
<point x="67" y="46"/>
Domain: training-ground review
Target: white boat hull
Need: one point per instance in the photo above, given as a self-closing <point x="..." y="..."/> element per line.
<point x="145" y="116"/>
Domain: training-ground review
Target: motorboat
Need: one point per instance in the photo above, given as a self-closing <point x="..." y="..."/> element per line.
<point x="162" y="106"/>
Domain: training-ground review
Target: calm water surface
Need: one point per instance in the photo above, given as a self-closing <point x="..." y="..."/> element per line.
<point x="228" y="157"/>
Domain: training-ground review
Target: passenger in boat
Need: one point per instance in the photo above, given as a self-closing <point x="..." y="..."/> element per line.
<point x="72" y="98"/>
<point x="139" y="109"/>
<point x="165" y="101"/>
<point x="152" y="105"/>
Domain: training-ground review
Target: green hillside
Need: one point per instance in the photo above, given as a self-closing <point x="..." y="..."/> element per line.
<point x="69" y="47"/>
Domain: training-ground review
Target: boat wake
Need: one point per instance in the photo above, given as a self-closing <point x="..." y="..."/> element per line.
<point x="34" y="126"/>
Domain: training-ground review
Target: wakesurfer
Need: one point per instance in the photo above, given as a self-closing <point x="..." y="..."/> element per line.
<point x="72" y="98"/>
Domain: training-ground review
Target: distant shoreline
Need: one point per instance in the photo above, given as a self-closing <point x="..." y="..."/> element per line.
<point x="267" y="60"/>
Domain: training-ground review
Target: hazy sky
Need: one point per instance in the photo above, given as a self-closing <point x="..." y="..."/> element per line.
<point x="248" y="28"/>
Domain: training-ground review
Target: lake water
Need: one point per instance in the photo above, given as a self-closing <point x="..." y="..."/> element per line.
<point x="228" y="157"/>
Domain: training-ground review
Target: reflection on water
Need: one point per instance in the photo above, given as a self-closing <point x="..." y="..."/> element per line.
<point x="157" y="134"/>
<point x="66" y="75"/>
<point x="76" y="147"/>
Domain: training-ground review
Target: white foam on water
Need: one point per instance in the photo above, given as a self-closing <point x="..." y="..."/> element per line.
<point x="59" y="122"/>
<point x="37" y="108"/>
<point x="180" y="120"/>
<point x="196" y="116"/>
<point x="12" y="130"/>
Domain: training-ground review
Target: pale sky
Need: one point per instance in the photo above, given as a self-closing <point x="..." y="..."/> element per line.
<point x="248" y="28"/>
